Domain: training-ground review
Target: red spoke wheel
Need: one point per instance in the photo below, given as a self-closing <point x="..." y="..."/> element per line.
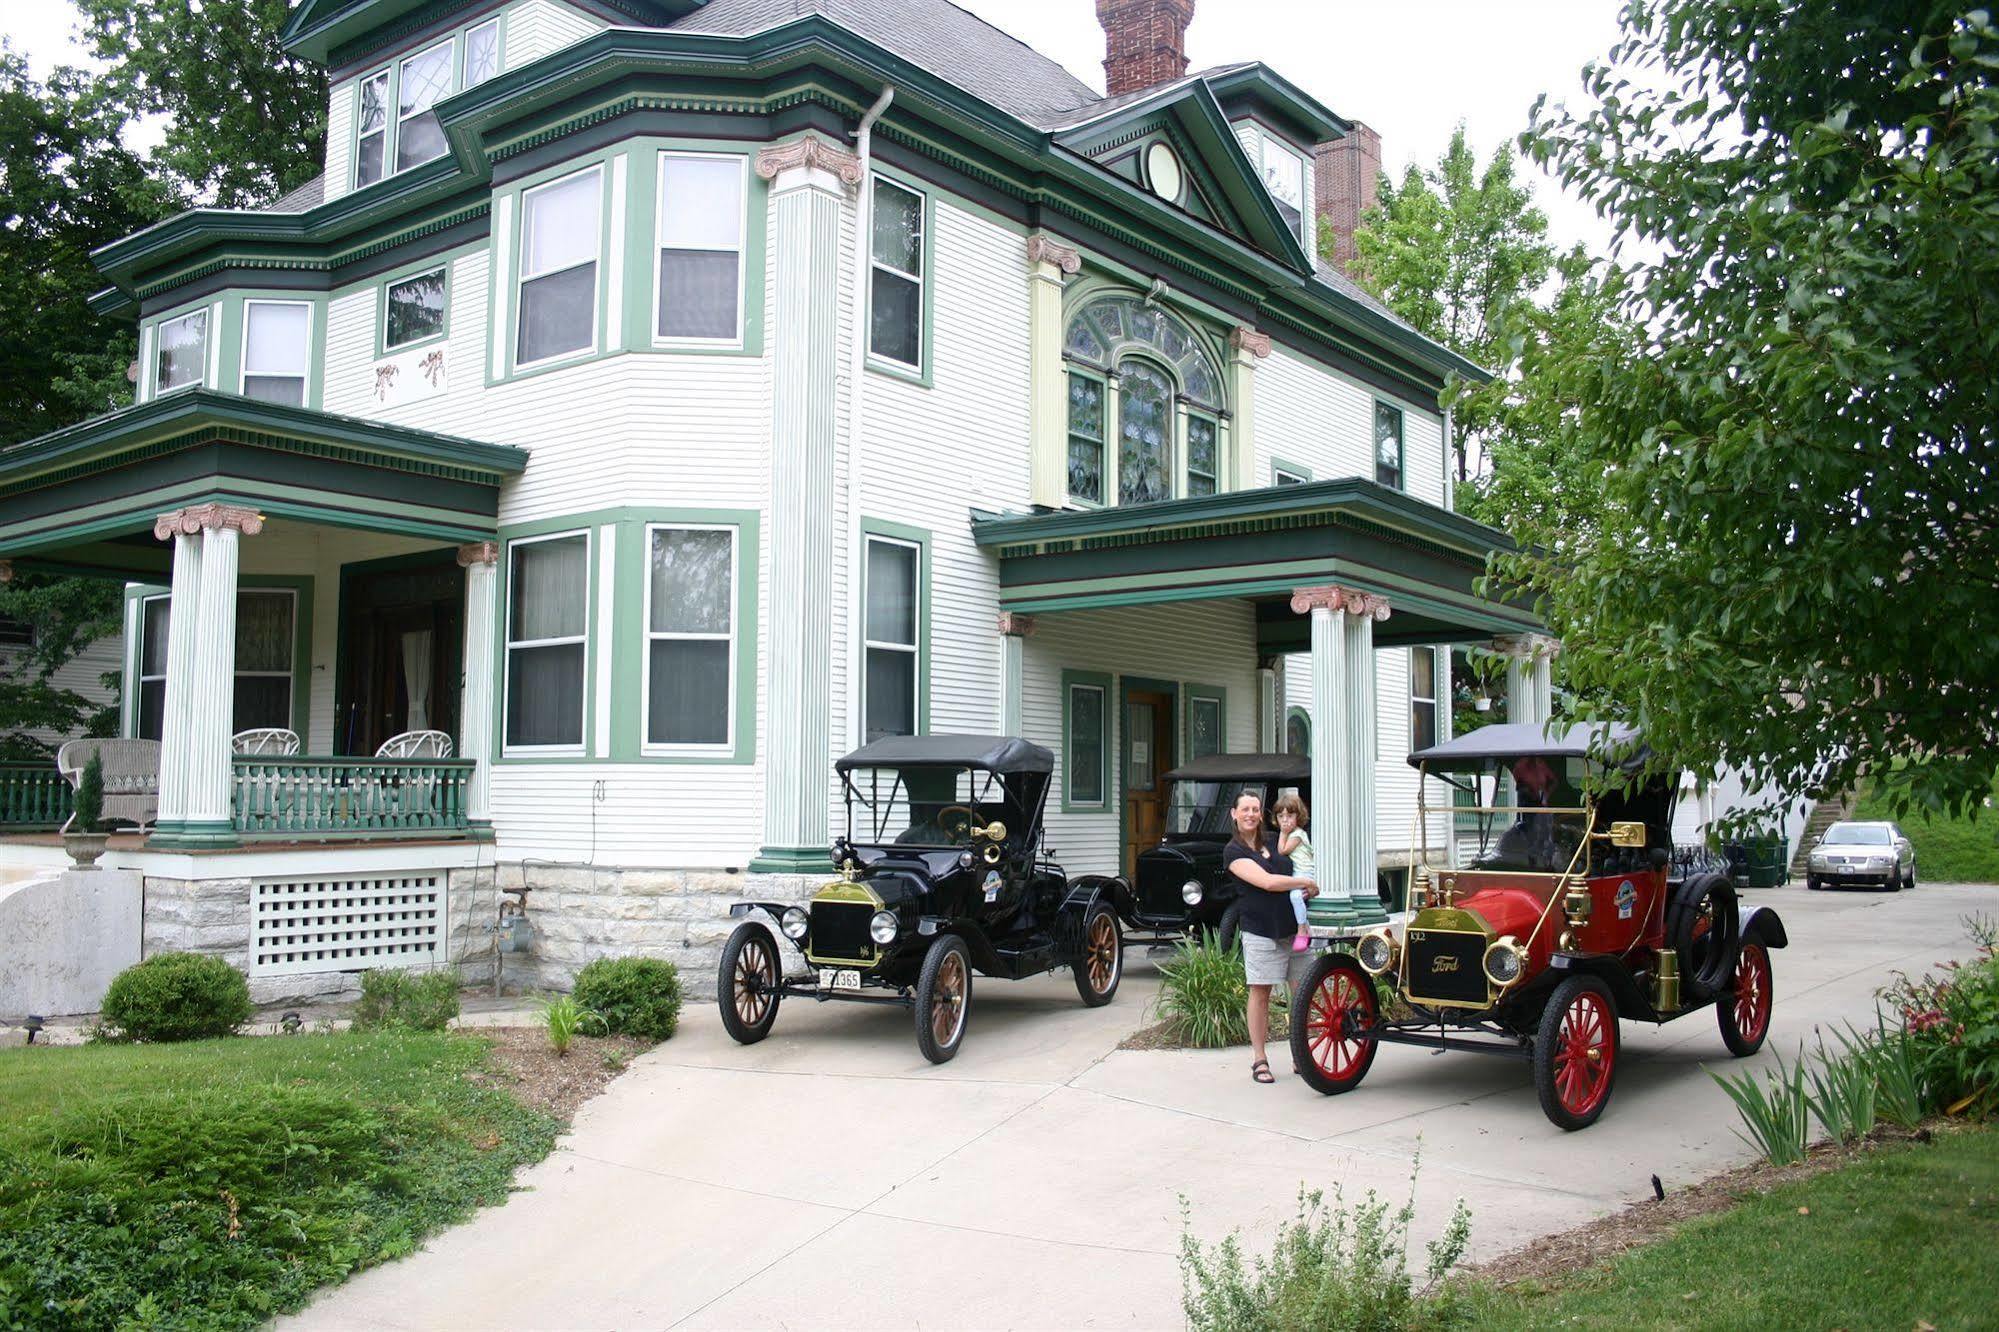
<point x="1744" y="1013"/>
<point x="1332" y="1024"/>
<point x="1101" y="966"/>
<point x="746" y="984"/>
<point x="1575" y="1052"/>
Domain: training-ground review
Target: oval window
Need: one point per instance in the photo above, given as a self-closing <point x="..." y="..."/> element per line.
<point x="1162" y="171"/>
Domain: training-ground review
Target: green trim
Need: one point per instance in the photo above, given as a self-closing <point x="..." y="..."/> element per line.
<point x="923" y="540"/>
<point x="1299" y="714"/>
<point x="507" y="267"/>
<point x="448" y="263"/>
<point x="192" y="835"/>
<point x="392" y="65"/>
<point x="1126" y="684"/>
<point x="1280" y="465"/>
<point x="792" y="860"/>
<point x="924" y="374"/>
<point x="1198" y="693"/>
<point x="1087" y="680"/>
<point x="586" y="526"/>
<point x="330" y="32"/>
<point x="301" y="585"/>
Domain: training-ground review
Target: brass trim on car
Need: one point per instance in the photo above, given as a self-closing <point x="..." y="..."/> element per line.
<point x="856" y="894"/>
<point x="1449" y="921"/>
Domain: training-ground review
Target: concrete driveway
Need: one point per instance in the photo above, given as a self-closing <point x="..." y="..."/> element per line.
<point x="830" y="1178"/>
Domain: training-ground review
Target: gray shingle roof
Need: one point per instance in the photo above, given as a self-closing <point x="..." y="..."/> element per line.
<point x="1353" y="291"/>
<point x="301" y="200"/>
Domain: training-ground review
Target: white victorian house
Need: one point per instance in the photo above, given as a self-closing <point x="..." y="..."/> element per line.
<point x="656" y="399"/>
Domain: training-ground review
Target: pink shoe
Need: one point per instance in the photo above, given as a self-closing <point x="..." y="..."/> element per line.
<point x="1300" y="942"/>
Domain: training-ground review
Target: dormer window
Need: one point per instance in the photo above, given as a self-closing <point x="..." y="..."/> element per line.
<point x="395" y="117"/>
<point x="1286" y="173"/>
<point x="1146" y="418"/>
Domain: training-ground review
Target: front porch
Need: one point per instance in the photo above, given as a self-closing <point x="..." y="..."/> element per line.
<point x="321" y="583"/>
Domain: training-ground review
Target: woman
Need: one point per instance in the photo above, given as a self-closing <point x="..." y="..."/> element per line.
<point x="1267" y="923"/>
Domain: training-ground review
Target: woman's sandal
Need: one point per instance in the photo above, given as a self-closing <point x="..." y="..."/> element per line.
<point x="1260" y="1071"/>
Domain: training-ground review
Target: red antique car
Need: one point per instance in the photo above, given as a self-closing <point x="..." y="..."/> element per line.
<point x="1566" y="920"/>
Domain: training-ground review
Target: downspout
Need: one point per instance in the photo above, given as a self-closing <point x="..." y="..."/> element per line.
<point x="856" y="391"/>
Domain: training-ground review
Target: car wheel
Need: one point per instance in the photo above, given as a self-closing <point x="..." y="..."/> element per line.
<point x="1332" y="1045"/>
<point x="1101" y="966"/>
<point x="1575" y="1053"/>
<point x="1230" y="930"/>
<point x="746" y="984"/>
<point x="1910" y="881"/>
<point x="1744" y="1012"/>
<point x="943" y="998"/>
<point x="1704" y="926"/>
<point x="1812" y="885"/>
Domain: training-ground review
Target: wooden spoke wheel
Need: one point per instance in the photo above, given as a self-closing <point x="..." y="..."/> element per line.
<point x="1744" y="1013"/>
<point x="1575" y="1052"/>
<point x="747" y="984"/>
<point x="1332" y="1041"/>
<point x="1101" y="966"/>
<point x="943" y="998"/>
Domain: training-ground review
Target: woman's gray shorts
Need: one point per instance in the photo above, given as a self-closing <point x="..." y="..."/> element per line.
<point x="1271" y="961"/>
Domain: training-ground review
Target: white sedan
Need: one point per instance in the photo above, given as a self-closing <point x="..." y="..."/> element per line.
<point x="1862" y="855"/>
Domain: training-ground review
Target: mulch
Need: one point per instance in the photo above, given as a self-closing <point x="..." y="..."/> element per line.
<point x="1164" y="1036"/>
<point x="523" y="1063"/>
<point x="1598" y="1241"/>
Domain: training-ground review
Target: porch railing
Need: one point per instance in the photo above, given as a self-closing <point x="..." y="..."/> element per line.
<point x="33" y="795"/>
<point x="349" y="797"/>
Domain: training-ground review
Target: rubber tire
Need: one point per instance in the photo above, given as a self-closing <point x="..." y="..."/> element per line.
<point x="1909" y="884"/>
<point x="1813" y="885"/>
<point x="926" y="990"/>
<point x="1545" y="1039"/>
<point x="1092" y="999"/>
<point x="1682" y="911"/>
<point x="1308" y="1067"/>
<point x="1739" y="1045"/>
<point x="1230" y="930"/>
<point x="745" y="1033"/>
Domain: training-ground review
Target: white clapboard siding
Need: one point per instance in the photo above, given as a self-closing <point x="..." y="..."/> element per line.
<point x="1395" y="780"/>
<point x="652" y="815"/>
<point x="536" y="28"/>
<point x="82" y="674"/>
<point x="340" y="139"/>
<point x="1319" y="419"/>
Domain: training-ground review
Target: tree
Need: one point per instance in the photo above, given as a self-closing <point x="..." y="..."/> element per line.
<point x="1792" y="566"/>
<point x="1451" y="250"/>
<point x="245" y="121"/>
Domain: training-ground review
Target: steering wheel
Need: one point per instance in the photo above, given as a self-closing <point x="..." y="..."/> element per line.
<point x="963" y="832"/>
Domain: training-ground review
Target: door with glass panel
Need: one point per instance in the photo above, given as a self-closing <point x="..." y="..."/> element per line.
<point x="402" y="650"/>
<point x="1146" y="750"/>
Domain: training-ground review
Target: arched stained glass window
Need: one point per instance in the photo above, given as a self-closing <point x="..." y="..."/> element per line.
<point x="1112" y="325"/>
<point x="1145" y="433"/>
<point x="1146" y="408"/>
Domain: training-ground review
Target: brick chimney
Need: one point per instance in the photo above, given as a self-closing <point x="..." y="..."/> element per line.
<point x="1145" y="42"/>
<point x="1347" y="173"/>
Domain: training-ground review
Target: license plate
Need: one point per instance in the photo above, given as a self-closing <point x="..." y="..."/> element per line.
<point x="839" y="980"/>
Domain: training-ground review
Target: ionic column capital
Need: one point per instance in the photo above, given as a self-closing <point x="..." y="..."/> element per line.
<point x="1243" y="338"/>
<point x="207" y="517"/>
<point x="1363" y="605"/>
<point x="1044" y="249"/>
<point x="478" y="552"/>
<point x="1528" y="647"/>
<point x="808" y="153"/>
<point x="1012" y="624"/>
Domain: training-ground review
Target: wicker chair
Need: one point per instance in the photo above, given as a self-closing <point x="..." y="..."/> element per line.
<point x="131" y="777"/>
<point x="416" y="745"/>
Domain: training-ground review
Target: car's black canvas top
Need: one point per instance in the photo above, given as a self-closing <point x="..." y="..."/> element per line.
<point x="1613" y="743"/>
<point x="989" y="753"/>
<point x="1291" y="768"/>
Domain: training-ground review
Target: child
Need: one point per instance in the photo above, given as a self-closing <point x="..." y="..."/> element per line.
<point x="1292" y="816"/>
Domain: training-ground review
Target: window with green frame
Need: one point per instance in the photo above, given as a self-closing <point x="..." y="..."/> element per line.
<point x="547" y="643"/>
<point x="413" y="308"/>
<point x="1206" y="721"/>
<point x="1143" y="366"/>
<point x="1086" y="740"/>
<point x="1388" y="444"/>
<point x="1086" y="437"/>
<point x="266" y="666"/>
<point x="395" y="120"/>
<point x="893" y="629"/>
<point x="895" y="293"/>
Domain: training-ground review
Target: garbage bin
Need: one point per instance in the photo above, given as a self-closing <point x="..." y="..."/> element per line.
<point x="1768" y="861"/>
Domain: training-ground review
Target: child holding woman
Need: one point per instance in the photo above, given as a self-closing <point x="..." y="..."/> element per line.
<point x="1293" y="841"/>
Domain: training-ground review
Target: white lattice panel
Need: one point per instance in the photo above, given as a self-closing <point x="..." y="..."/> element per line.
<point x="346" y="923"/>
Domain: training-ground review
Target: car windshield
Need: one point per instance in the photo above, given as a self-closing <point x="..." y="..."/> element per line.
<point x="1524" y="814"/>
<point x="1859" y="834"/>
<point x="1203" y="808"/>
<point x="921" y="806"/>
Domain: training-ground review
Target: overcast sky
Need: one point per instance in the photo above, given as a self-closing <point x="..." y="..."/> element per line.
<point x="1411" y="71"/>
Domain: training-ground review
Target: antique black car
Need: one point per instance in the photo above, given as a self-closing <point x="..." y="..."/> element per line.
<point x="942" y="876"/>
<point x="1181" y="884"/>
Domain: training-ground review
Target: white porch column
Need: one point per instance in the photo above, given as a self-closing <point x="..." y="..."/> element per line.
<point x="183" y="610"/>
<point x="1049" y="263"/>
<point x="1529" y="688"/>
<point x="1343" y="746"/>
<point x="480" y="560"/>
<point x="1269" y="726"/>
<point x="1545" y="651"/>
<point x="807" y="200"/>
<point x="1014" y="631"/>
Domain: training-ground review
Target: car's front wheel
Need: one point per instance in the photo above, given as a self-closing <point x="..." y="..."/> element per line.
<point x="1812" y="885"/>
<point x="943" y="998"/>
<point x="1744" y="1012"/>
<point x="1332" y="1025"/>
<point x="746" y="984"/>
<point x="1575" y="1052"/>
<point x="1101" y="966"/>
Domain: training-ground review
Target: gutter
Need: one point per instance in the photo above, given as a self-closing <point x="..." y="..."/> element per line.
<point x="857" y="375"/>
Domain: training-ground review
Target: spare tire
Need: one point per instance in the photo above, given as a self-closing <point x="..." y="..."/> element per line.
<point x="1704" y="926"/>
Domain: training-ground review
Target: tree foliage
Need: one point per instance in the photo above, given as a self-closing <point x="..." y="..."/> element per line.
<point x="1453" y="250"/>
<point x="1791" y="566"/>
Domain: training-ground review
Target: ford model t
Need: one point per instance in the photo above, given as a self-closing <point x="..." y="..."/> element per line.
<point x="1180" y="884"/>
<point x="1565" y="922"/>
<point x="941" y="877"/>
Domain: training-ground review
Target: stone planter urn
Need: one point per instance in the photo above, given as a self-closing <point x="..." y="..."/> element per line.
<point x="85" y="847"/>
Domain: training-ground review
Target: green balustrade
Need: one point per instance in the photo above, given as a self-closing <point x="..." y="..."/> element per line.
<point x="33" y="795"/>
<point x="318" y="798"/>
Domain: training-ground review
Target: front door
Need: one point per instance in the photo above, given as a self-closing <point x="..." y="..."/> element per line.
<point x="402" y="649"/>
<point x="1147" y="755"/>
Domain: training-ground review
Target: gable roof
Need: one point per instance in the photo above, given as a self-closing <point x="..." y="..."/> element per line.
<point x="318" y="27"/>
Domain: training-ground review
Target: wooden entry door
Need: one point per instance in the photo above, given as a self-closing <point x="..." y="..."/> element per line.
<point x="1146" y="752"/>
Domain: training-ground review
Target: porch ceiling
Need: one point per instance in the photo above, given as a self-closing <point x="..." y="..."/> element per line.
<point x="1261" y="545"/>
<point x="84" y="498"/>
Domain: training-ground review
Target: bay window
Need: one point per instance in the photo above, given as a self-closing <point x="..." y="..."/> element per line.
<point x="1139" y="376"/>
<point x="182" y="359"/>
<point x="690" y="662"/>
<point x="413" y="310"/>
<point x="277" y="350"/>
<point x="893" y="611"/>
<point x="701" y="226"/>
<point x="560" y="237"/>
<point x="895" y="298"/>
<point x="548" y="608"/>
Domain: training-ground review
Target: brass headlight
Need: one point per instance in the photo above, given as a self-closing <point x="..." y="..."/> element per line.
<point x="1376" y="952"/>
<point x="1504" y="962"/>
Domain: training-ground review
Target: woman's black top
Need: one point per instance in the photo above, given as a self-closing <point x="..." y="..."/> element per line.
<point x="1264" y="912"/>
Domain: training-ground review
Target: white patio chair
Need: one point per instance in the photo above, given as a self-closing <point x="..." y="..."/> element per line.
<point x="416" y="745"/>
<point x="267" y="741"/>
<point x="415" y="793"/>
<point x="131" y="777"/>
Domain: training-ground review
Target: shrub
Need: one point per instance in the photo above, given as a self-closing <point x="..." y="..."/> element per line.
<point x="1331" y="1268"/>
<point x="1952" y="1022"/>
<point x="635" y="996"/>
<point x="177" y="997"/>
<point x="1204" y="997"/>
<point x="418" y="1001"/>
<point x="89" y="803"/>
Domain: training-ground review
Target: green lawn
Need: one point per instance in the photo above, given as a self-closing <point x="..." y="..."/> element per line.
<point x="1947" y="850"/>
<point x="1905" y="1237"/>
<point x="217" y="1183"/>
